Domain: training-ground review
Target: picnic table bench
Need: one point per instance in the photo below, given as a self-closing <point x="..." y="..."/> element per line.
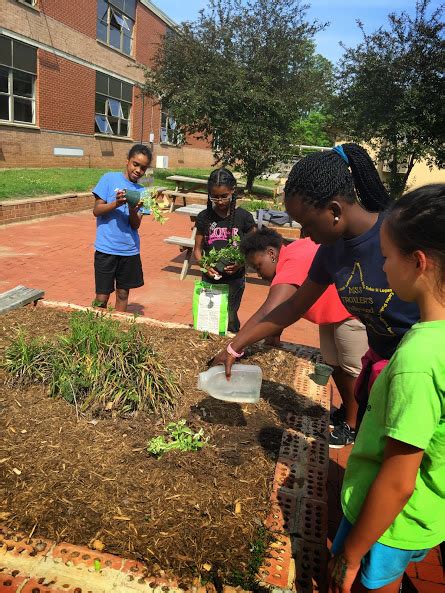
<point x="18" y="297"/>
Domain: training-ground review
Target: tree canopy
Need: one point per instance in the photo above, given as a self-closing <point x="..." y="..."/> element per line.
<point x="239" y="76"/>
<point x="391" y="92"/>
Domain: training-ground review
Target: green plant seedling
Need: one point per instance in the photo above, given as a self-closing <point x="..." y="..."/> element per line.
<point x="181" y="437"/>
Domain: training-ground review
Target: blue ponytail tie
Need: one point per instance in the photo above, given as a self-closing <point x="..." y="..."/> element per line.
<point x="339" y="150"/>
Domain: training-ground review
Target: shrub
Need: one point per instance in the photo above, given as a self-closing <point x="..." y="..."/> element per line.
<point x="98" y="364"/>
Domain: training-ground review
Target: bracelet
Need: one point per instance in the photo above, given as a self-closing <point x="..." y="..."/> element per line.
<point x="232" y="352"/>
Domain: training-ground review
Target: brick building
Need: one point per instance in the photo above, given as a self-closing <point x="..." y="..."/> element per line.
<point x="69" y="92"/>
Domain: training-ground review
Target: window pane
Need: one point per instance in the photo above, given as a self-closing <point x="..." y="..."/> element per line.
<point x="114" y="88"/>
<point x="164" y="135"/>
<point x="125" y="110"/>
<point x="115" y="108"/>
<point x="22" y="110"/>
<point x="163" y="119"/>
<point x="102" y="124"/>
<point x="115" y="36"/>
<point x="124" y="127"/>
<point x="101" y="32"/>
<point x="102" y="9"/>
<point x="22" y="84"/>
<point x="130" y="8"/>
<point x="101" y="83"/>
<point x="126" y="44"/>
<point x="5" y="51"/>
<point x="114" y="124"/>
<point x="117" y="3"/>
<point x="4" y="78"/>
<point x="121" y="20"/>
<point x="4" y="107"/>
<point x="127" y="92"/>
<point x="100" y="104"/>
<point x="24" y="57"/>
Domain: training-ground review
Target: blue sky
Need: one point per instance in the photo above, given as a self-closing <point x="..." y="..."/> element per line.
<point x="341" y="14"/>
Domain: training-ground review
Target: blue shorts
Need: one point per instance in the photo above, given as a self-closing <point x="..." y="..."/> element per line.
<point x="382" y="564"/>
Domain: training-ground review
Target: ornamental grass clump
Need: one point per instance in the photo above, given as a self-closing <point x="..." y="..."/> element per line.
<point x="98" y="365"/>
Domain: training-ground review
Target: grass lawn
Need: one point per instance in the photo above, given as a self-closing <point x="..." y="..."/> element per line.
<point x="29" y="183"/>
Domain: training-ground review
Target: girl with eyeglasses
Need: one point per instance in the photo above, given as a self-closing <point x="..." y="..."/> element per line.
<point x="217" y="225"/>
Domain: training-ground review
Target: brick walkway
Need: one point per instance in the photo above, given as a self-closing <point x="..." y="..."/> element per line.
<point x="56" y="254"/>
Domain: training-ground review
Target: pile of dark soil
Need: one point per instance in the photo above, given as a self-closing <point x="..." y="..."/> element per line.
<point x="84" y="479"/>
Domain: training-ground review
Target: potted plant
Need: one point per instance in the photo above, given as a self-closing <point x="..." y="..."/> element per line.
<point x="218" y="259"/>
<point x="147" y="199"/>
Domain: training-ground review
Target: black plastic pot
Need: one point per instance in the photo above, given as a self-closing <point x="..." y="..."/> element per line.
<point x="221" y="264"/>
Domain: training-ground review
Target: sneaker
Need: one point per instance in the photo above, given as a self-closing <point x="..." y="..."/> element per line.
<point x="341" y="436"/>
<point x="337" y="416"/>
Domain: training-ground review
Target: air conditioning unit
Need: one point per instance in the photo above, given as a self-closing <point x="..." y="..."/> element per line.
<point x="162" y="162"/>
<point x="402" y="168"/>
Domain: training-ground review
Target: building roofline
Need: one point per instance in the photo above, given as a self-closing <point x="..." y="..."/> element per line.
<point x="160" y="13"/>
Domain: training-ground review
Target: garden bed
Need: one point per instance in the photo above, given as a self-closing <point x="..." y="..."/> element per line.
<point x="85" y="479"/>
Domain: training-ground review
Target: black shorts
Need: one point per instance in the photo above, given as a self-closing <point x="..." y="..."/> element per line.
<point x="123" y="270"/>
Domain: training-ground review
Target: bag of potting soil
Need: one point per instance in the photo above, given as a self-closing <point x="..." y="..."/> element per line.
<point x="211" y="307"/>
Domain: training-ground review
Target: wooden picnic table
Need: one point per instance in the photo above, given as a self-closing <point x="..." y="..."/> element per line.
<point x="187" y="243"/>
<point x="186" y="184"/>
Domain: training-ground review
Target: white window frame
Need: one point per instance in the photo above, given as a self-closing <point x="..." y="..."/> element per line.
<point x="168" y="133"/>
<point x="112" y="11"/>
<point x="108" y="113"/>
<point x="11" y="96"/>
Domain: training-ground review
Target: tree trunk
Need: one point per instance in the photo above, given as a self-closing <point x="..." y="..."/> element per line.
<point x="250" y="180"/>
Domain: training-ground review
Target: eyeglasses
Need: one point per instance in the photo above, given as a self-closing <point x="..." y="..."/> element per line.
<point x="224" y="198"/>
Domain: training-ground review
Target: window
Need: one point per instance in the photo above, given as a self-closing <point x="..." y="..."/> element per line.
<point x="113" y="105"/>
<point x="115" y="22"/>
<point x="18" y="66"/>
<point x="169" y="132"/>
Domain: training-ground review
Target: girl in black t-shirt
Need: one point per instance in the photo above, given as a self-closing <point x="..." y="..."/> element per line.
<point x="218" y="224"/>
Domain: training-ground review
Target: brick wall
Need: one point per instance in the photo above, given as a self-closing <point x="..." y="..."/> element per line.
<point x="25" y="147"/>
<point x="149" y="30"/>
<point x="66" y="91"/>
<point x="20" y="210"/>
<point x="80" y="15"/>
<point x="66" y="95"/>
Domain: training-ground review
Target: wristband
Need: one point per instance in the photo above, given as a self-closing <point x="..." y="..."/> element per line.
<point x="232" y="352"/>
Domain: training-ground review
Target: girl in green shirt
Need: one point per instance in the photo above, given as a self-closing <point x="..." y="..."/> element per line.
<point x="393" y="495"/>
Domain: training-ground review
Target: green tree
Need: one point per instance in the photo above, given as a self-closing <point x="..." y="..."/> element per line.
<point x="314" y="129"/>
<point x="239" y="76"/>
<point x="391" y="92"/>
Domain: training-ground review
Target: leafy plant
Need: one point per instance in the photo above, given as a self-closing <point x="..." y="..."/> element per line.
<point x="149" y="201"/>
<point x="254" y="205"/>
<point x="180" y="437"/>
<point x="225" y="256"/>
<point x="97" y="365"/>
<point x="248" y="579"/>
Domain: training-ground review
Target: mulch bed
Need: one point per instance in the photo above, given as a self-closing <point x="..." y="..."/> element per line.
<point x="91" y="479"/>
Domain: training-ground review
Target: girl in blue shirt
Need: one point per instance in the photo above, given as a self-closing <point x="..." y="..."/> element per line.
<point x="117" y="261"/>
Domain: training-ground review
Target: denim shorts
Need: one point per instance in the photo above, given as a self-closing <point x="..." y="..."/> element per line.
<point x="382" y="564"/>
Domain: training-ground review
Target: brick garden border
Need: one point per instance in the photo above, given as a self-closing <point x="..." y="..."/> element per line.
<point x="296" y="559"/>
<point x="21" y="210"/>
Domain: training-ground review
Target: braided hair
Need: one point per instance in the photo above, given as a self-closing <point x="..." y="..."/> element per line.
<point x="217" y="178"/>
<point x="346" y="171"/>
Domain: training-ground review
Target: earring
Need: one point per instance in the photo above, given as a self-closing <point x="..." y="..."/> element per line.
<point x="336" y="218"/>
<point x="273" y="259"/>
